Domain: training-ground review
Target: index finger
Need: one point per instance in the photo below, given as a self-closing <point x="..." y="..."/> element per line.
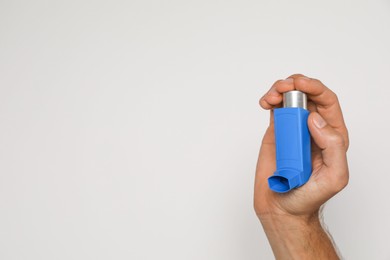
<point x="325" y="99"/>
<point x="326" y="102"/>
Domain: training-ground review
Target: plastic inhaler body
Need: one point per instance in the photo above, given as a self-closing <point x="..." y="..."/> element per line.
<point x="293" y="152"/>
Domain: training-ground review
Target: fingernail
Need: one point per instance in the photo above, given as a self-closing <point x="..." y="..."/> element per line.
<point x="289" y="80"/>
<point x="318" y="121"/>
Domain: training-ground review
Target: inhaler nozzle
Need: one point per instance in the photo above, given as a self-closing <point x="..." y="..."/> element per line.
<point x="295" y="98"/>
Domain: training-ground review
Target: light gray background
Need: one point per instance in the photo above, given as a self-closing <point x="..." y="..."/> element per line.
<point x="130" y="129"/>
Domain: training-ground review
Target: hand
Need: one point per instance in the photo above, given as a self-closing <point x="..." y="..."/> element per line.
<point x="300" y="207"/>
<point x="329" y="146"/>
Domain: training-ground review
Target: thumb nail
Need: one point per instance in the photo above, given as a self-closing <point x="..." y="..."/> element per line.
<point x="318" y="121"/>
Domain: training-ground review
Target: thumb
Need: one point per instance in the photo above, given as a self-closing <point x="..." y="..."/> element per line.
<point x="333" y="149"/>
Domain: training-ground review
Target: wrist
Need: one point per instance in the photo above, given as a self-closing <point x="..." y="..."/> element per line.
<point x="283" y="220"/>
<point x="286" y="226"/>
<point x="297" y="237"/>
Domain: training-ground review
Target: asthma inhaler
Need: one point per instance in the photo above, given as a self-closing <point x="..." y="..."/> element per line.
<point x="292" y="138"/>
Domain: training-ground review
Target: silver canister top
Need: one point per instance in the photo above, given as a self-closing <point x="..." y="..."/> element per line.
<point x="295" y="98"/>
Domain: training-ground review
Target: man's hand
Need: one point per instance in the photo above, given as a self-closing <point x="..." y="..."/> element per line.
<point x="291" y="220"/>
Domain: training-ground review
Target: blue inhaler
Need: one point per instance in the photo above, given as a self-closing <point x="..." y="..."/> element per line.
<point x="293" y="153"/>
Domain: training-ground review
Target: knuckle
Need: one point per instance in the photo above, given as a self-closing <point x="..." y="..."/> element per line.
<point x="333" y="95"/>
<point x="337" y="140"/>
<point x="346" y="139"/>
<point x="317" y="81"/>
<point x="328" y="90"/>
<point x="297" y="75"/>
<point x="340" y="182"/>
<point x="345" y="181"/>
<point x="263" y="103"/>
<point x="256" y="207"/>
<point x="278" y="82"/>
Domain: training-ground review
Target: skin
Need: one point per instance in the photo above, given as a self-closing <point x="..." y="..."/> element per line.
<point x="291" y="220"/>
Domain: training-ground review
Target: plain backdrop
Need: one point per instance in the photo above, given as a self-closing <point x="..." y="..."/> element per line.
<point x="131" y="129"/>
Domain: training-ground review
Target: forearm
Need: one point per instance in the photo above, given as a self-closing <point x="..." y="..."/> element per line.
<point x="298" y="238"/>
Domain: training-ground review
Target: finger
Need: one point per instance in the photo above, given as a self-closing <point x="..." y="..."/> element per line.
<point x="274" y="97"/>
<point x="297" y="75"/>
<point x="311" y="106"/>
<point x="326" y="101"/>
<point x="271" y="118"/>
<point x="333" y="148"/>
<point x="316" y="156"/>
<point x="316" y="91"/>
<point x="269" y="136"/>
<point x="266" y="164"/>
